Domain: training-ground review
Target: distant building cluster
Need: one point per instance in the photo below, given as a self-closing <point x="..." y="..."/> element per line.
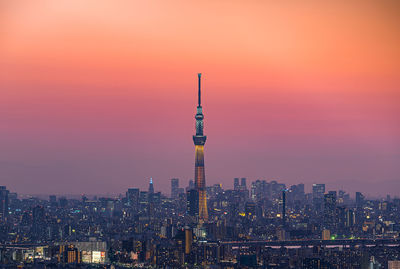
<point x="263" y="224"/>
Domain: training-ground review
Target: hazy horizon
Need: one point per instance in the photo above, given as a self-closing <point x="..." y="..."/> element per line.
<point x="350" y="189"/>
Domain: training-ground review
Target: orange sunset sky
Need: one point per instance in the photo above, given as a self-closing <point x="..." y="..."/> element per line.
<point x="97" y="96"/>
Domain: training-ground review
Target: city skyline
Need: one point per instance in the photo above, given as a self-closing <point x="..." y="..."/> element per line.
<point x="105" y="102"/>
<point x="104" y="117"/>
<point x="264" y="224"/>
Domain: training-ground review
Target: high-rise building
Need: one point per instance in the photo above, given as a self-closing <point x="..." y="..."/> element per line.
<point x="300" y="188"/>
<point x="53" y="200"/>
<point x="63" y="201"/>
<point x="151" y="186"/>
<point x="350" y="218"/>
<point x="144" y="198"/>
<point x="192" y="199"/>
<point x="330" y="210"/>
<point x="284" y="208"/>
<point x="132" y="196"/>
<point x="3" y="203"/>
<point x="236" y="185"/>
<point x="199" y="175"/>
<point x="188" y="240"/>
<point x="38" y="221"/>
<point x="359" y="199"/>
<point x="259" y="190"/>
<point x="190" y="185"/>
<point x="150" y="194"/>
<point x="243" y="184"/>
<point x="318" y="191"/>
<point x="38" y="215"/>
<point x="174" y="187"/>
<point x="295" y="194"/>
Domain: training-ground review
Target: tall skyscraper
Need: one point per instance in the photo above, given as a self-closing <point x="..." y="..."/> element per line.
<point x="359" y="199"/>
<point x="192" y="197"/>
<point x="243" y="184"/>
<point x="3" y="203"/>
<point x="236" y="185"/>
<point x="132" y="196"/>
<point x="190" y="185"/>
<point x="330" y="210"/>
<point x="151" y="186"/>
<point x="188" y="239"/>
<point x="199" y="140"/>
<point x="150" y="194"/>
<point x="318" y="191"/>
<point x="174" y="187"/>
<point x="284" y="208"/>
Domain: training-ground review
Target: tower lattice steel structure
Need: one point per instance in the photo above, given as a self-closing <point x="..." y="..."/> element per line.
<point x="199" y="140"/>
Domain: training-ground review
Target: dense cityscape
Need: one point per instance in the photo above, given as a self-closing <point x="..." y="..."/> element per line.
<point x="265" y="224"/>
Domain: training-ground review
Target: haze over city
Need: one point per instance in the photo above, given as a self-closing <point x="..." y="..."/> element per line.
<point x="99" y="96"/>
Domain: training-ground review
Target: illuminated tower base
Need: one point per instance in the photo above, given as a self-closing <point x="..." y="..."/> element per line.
<point x="200" y="182"/>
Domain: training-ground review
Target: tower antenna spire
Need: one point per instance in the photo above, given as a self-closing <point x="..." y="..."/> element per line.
<point x="199" y="75"/>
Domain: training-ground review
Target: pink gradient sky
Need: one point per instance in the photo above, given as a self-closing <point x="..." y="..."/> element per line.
<point x="98" y="96"/>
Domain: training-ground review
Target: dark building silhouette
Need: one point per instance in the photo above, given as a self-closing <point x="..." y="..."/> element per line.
<point x="53" y="200"/>
<point x="192" y="202"/>
<point x="359" y="199"/>
<point x="243" y="184"/>
<point x="150" y="193"/>
<point x="151" y="186"/>
<point x="174" y="187"/>
<point x="330" y="210"/>
<point x="132" y="197"/>
<point x="190" y="185"/>
<point x="284" y="208"/>
<point x="318" y="191"/>
<point x="236" y="185"/>
<point x="4" y="202"/>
